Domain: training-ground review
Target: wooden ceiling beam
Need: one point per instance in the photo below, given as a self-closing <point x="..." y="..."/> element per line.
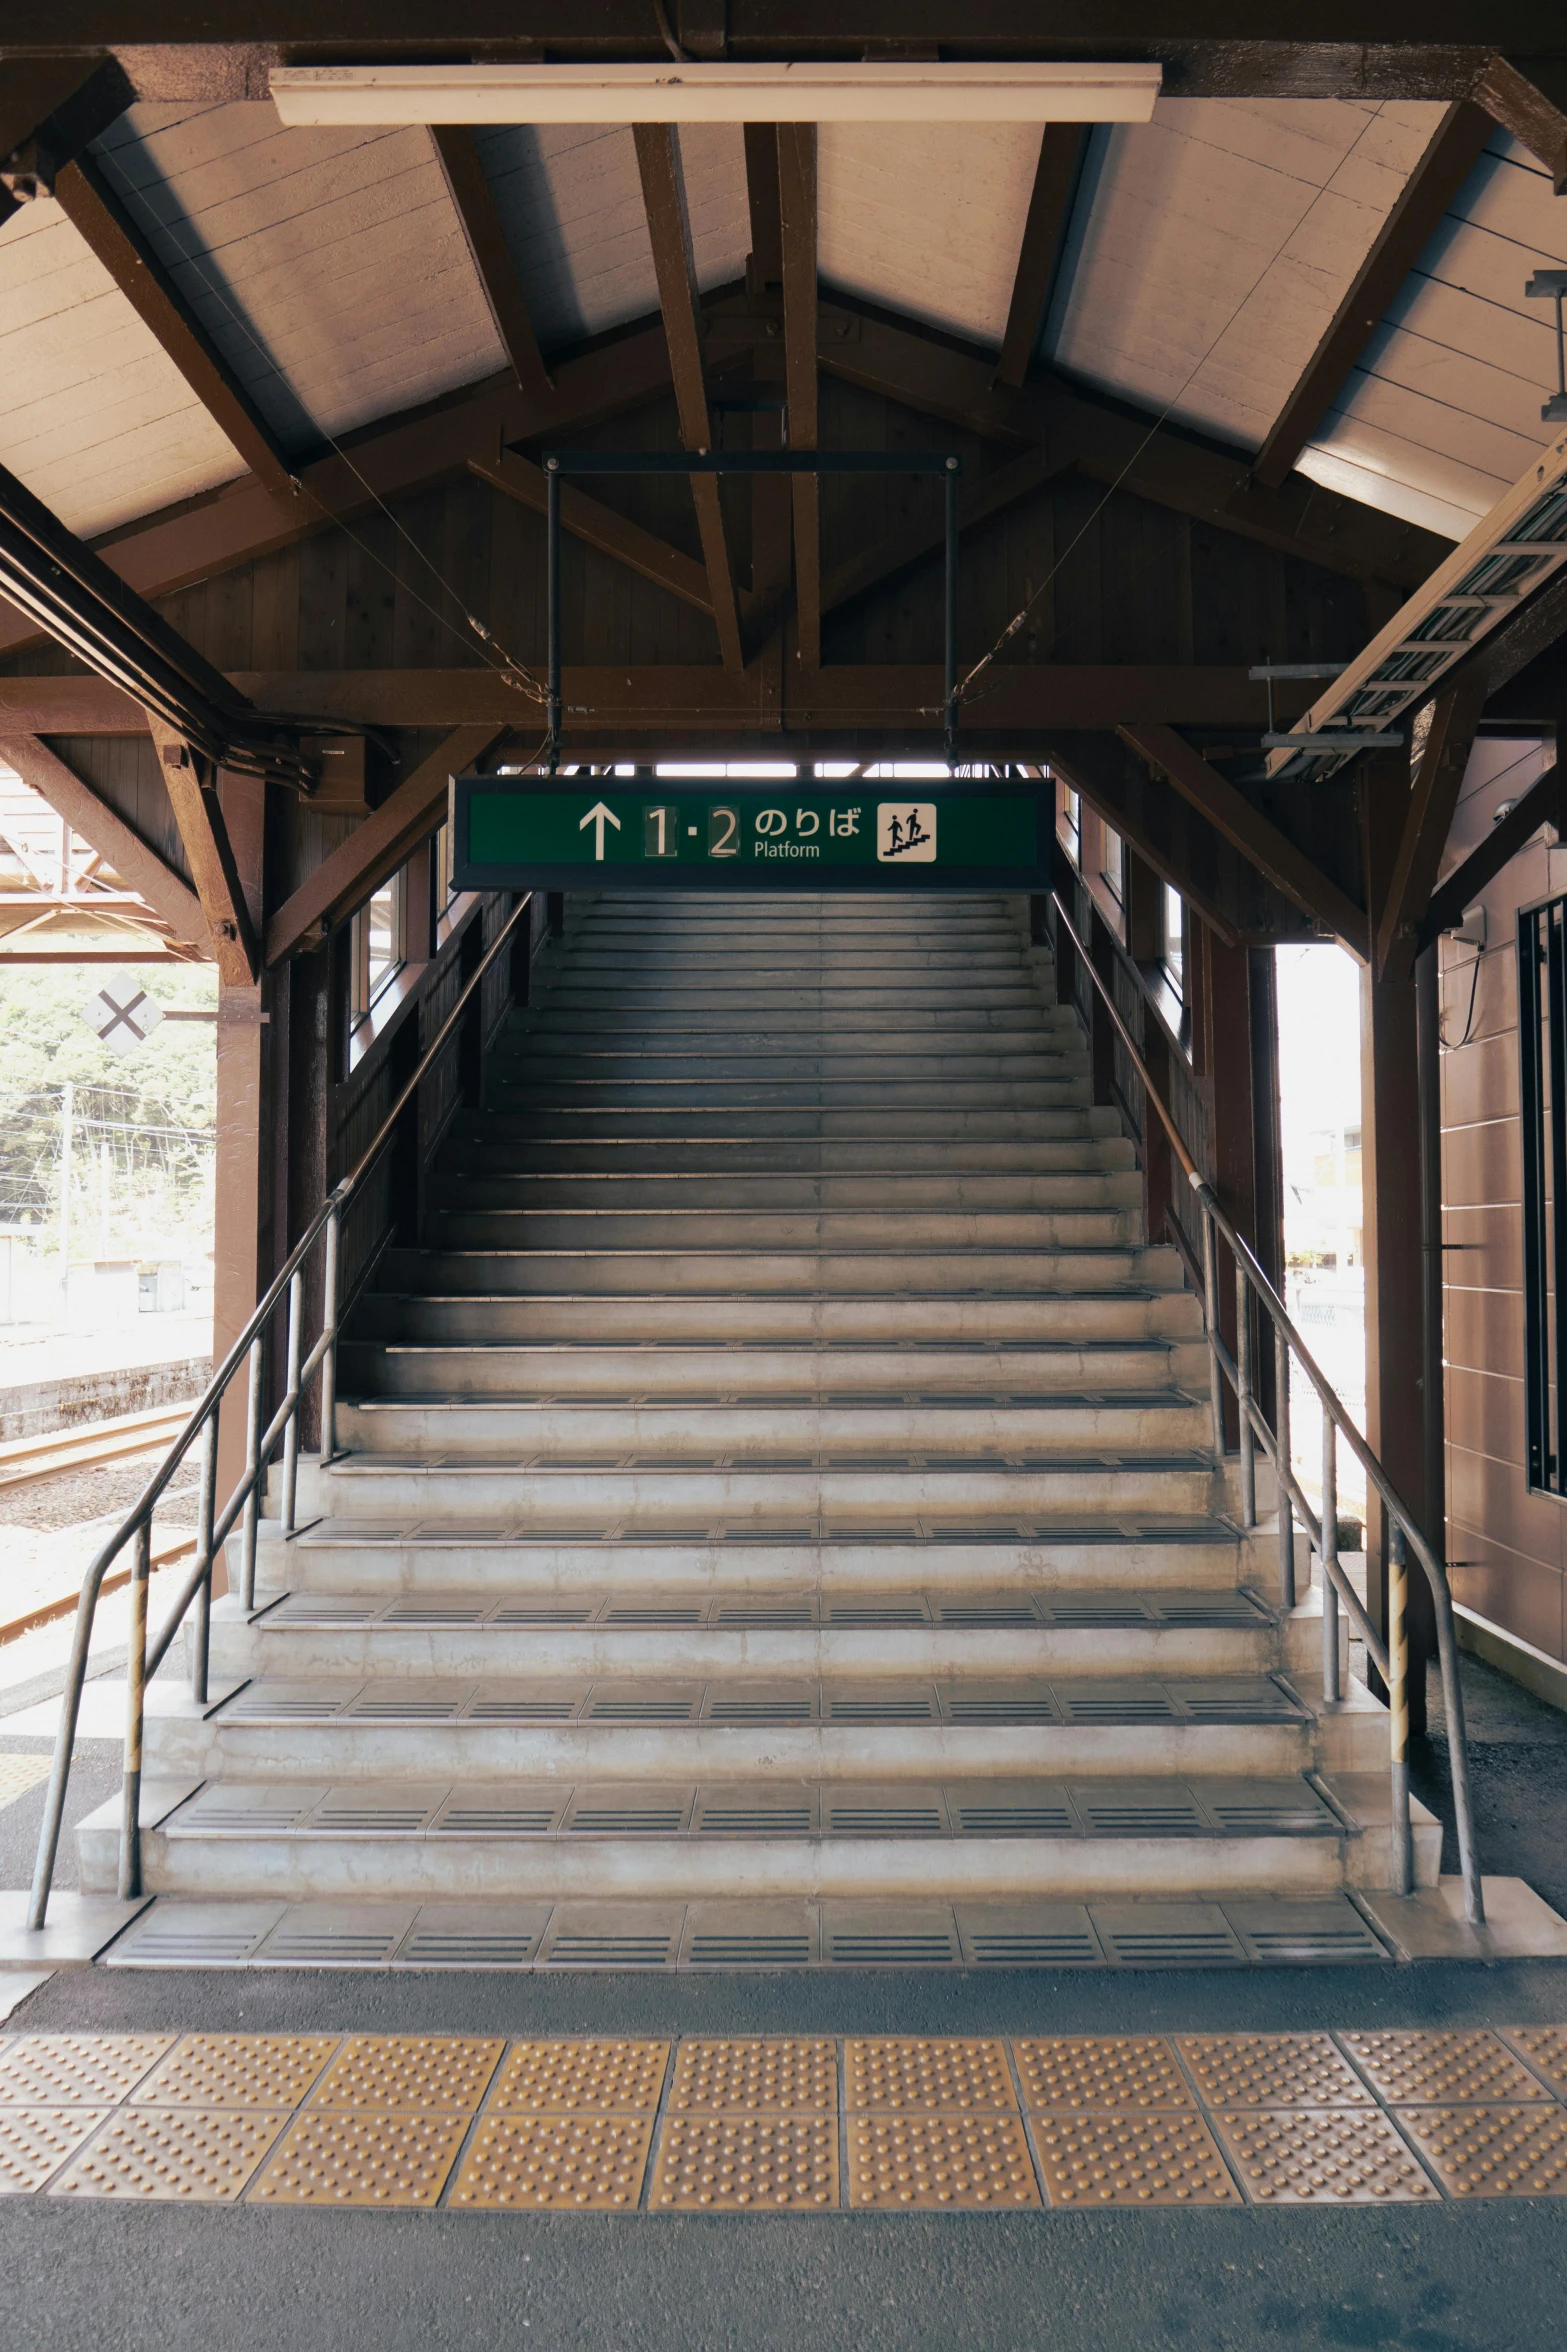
<point x="597" y="525"/>
<point x="664" y="199"/>
<point x="1536" y="118"/>
<point x="469" y="187"/>
<point x="1457" y="145"/>
<point x="1062" y="148"/>
<point x="1438" y="780"/>
<point x="375" y="849"/>
<point x="209" y="853"/>
<point x="797" y="214"/>
<point x="138" y="865"/>
<point x="1231" y="814"/>
<point x="1545" y="803"/>
<point x="105" y="226"/>
<point x="982" y="496"/>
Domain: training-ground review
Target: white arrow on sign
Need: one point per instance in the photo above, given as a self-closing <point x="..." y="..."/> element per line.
<point x="595" y="817"/>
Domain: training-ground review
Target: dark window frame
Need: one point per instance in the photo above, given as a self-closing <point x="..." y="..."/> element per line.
<point x="1542" y="1046"/>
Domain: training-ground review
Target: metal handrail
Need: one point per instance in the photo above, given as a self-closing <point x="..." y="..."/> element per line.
<point x="214" y="1527"/>
<point x="1392" y="1656"/>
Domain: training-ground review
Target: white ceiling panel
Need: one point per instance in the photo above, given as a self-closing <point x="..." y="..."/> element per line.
<point x="93" y="418"/>
<point x="329" y="267"/>
<point x="1211" y="247"/>
<point x="571" y="200"/>
<point x="927" y="217"/>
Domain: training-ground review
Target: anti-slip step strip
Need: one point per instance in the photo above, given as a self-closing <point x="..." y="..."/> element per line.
<point x="783" y="2124"/>
<point x="1090" y="1611"/>
<point x="1026" y="1809"/>
<point x="379" y="1465"/>
<point x="841" y="1400"/>
<point x="450" y="1534"/>
<point x="976" y="1702"/>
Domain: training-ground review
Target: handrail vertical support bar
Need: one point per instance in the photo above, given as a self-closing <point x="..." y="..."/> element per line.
<point x="1398" y="1704"/>
<point x="253" y="1410"/>
<point x="135" y="1678"/>
<point x="1458" y="1754"/>
<point x="296" y="1321"/>
<point x="1243" y="1399"/>
<point x="329" y="1335"/>
<point x="1210" y="1286"/>
<point x="1331" y="1686"/>
<point x="1282" y="1457"/>
<point x="201" y="1632"/>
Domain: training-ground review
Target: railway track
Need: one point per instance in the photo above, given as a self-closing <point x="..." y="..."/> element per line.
<point x="90" y="1447"/>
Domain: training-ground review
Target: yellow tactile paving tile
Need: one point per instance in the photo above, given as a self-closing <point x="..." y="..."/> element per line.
<point x="64" y="2070"/>
<point x="418" y="2072"/>
<point x="1121" y="2073"/>
<point x="1142" y="2159"/>
<point x="36" y="2141"/>
<point x="557" y="2163"/>
<point x="236" y="2070"/>
<point x="587" y="2077"/>
<point x="1321" y="2156"/>
<point x="926" y="2162"/>
<point x="758" y="2076"/>
<point x="1423" y="2068"/>
<point x="892" y="2074"/>
<point x="746" y="2164"/>
<point x="173" y="2154"/>
<point x="1492" y="2151"/>
<point x="1545" y="2048"/>
<point x="1271" y="2070"/>
<point x="347" y="2156"/>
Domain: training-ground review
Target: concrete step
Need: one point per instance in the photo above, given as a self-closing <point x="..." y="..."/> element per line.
<point x="822" y="1274"/>
<point x="733" y="1096"/>
<point x="930" y="1234"/>
<point x="959" y="1195"/>
<point x="906" y="1027"/>
<point x="412" y="1368"/>
<point x="597" y="1125"/>
<point x="787" y="996"/>
<point x="738" y="1161"/>
<point x="954" y="1326"/>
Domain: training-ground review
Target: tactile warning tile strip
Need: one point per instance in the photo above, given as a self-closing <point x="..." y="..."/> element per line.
<point x="781" y="2163"/>
<point x="236" y="2070"/>
<point x="1323" y="2156"/>
<point x="62" y="2070"/>
<point x="1421" y="2068"/>
<point x="36" y="2141"/>
<point x="760" y="2076"/>
<point x="1079" y="2070"/>
<point x="1271" y="2070"/>
<point x="1492" y="2151"/>
<point x="20" y="1773"/>
<point x="408" y="2071"/>
<point x="562" y="2078"/>
<point x="927" y="2162"/>
<point x="577" y="2163"/>
<point x="1545" y="2048"/>
<point x="893" y="2075"/>
<point x="335" y="2156"/>
<point x="155" y="2152"/>
<point x="1146" y="2159"/>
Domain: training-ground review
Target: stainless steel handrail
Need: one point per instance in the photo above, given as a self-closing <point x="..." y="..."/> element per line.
<point x="1392" y="1656"/>
<point x="214" y="1526"/>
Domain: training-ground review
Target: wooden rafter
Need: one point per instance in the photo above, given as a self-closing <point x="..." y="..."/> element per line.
<point x="210" y="855"/>
<point x="1229" y="812"/>
<point x="1457" y="145"/>
<point x="470" y="190"/>
<point x="138" y="865"/>
<point x="797" y="213"/>
<point x="1535" y="119"/>
<point x="1545" y="803"/>
<point x="664" y="198"/>
<point x="599" y="526"/>
<point x="93" y="209"/>
<point x="1438" y="781"/>
<point x="376" y="848"/>
<point x="982" y="496"/>
<point x="1061" y="150"/>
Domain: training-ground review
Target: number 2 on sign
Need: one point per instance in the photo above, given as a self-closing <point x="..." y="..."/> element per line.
<point x="722" y="826"/>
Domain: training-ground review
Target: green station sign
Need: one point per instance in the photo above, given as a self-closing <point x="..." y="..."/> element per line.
<point x="562" y="833"/>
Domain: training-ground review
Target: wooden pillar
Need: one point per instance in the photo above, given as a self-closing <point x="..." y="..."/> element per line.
<point x="1227" y="1031"/>
<point x="1145" y="945"/>
<point x="1390" y="1127"/>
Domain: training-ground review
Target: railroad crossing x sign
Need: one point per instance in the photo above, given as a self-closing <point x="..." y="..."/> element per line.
<point x="122" y="1015"/>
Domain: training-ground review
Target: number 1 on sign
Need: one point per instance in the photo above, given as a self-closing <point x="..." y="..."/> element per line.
<point x="660" y="832"/>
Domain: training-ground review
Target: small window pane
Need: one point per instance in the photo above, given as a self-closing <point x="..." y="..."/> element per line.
<point x="1174" y="940"/>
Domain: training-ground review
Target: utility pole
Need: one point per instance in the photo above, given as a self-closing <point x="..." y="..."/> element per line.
<point x="67" y="1109"/>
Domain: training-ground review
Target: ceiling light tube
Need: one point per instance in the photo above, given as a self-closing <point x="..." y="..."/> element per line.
<point x="309" y="96"/>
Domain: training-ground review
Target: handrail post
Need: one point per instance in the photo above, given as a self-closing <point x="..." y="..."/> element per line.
<point x="1331" y="1687"/>
<point x="1281" y="1442"/>
<point x="253" y="1411"/>
<point x="1210" y="1285"/>
<point x="1243" y="1397"/>
<point x="1457" y="1751"/>
<point x="1398" y="1706"/>
<point x="135" y="1678"/>
<point x="296" y="1319"/>
<point x="329" y="1335"/>
<point x="201" y="1639"/>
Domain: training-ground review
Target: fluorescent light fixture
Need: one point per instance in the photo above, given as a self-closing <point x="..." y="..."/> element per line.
<point x="308" y="96"/>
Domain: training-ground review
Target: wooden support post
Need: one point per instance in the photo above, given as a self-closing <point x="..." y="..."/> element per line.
<point x="1145" y="944"/>
<point x="1101" y="1035"/>
<point x="797" y="196"/>
<point x="1232" y="1109"/>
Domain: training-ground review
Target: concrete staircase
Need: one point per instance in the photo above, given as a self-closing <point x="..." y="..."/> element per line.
<point x="775" y="1519"/>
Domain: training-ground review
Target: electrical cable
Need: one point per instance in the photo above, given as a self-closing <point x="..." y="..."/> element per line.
<point x="667" y="35"/>
<point x="1452" y="1045"/>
